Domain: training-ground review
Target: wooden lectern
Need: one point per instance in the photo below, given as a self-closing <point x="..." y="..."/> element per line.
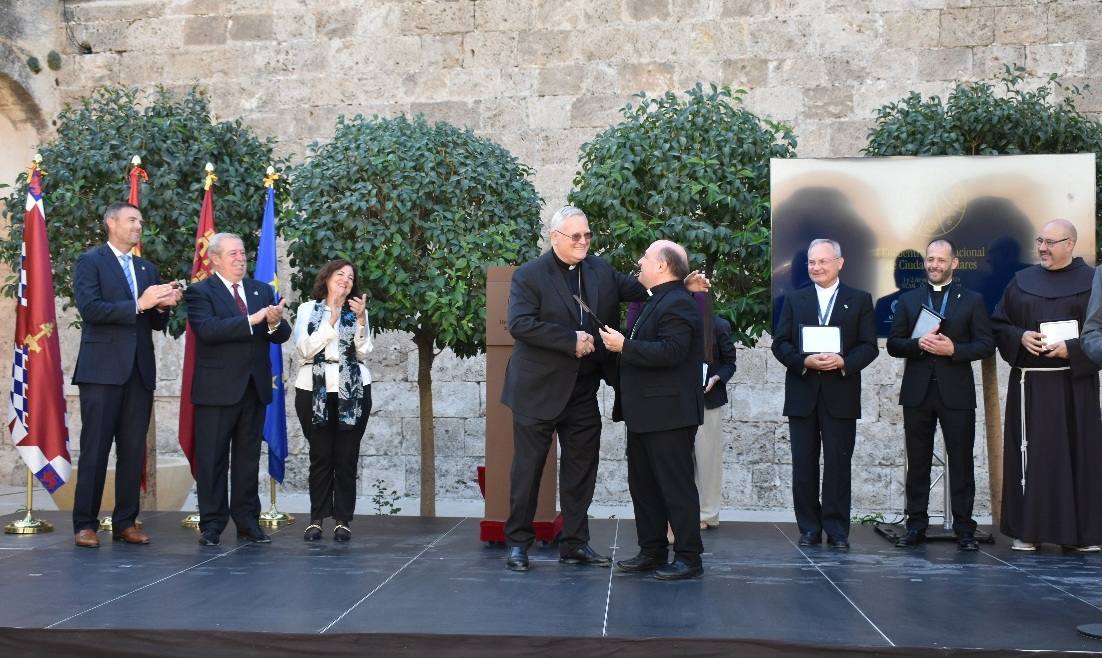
<point x="499" y="426"/>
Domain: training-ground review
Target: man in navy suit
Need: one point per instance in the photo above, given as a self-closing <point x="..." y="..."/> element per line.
<point x="121" y="302"/>
<point x="938" y="388"/>
<point x="822" y="392"/>
<point x="234" y="320"/>
<point x="660" y="398"/>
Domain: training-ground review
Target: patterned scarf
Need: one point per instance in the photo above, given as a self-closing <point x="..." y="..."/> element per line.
<point x="350" y="384"/>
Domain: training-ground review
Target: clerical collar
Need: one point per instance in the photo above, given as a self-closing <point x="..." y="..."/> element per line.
<point x="661" y="286"/>
<point x="561" y="263"/>
<point x="937" y="288"/>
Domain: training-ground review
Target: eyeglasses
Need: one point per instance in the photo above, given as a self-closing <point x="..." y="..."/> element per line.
<point x="1050" y="243"/>
<point x="577" y="237"/>
<point x="822" y="262"/>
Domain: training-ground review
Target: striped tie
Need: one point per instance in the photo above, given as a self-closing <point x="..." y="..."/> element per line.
<point x="129" y="277"/>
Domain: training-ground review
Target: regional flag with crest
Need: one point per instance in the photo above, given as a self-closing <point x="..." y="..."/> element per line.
<point x="36" y="406"/>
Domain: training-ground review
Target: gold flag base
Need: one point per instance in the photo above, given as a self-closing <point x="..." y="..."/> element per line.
<point x="28" y="525"/>
<point x="273" y="518"/>
<point x="191" y="520"/>
<point x="105" y="524"/>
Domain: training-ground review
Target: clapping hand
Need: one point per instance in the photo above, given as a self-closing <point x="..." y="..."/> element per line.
<point x="359" y="307"/>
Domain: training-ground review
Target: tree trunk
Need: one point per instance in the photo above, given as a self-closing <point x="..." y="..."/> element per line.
<point x="992" y="420"/>
<point x="149" y="496"/>
<point x="425" y="357"/>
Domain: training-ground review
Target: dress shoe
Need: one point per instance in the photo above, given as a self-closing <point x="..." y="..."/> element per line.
<point x="342" y="533"/>
<point x="810" y="539"/>
<point x="131" y="535"/>
<point x="209" y="538"/>
<point x="518" y="559"/>
<point x="838" y="543"/>
<point x="967" y="542"/>
<point x="641" y="562"/>
<point x="678" y="570"/>
<point x="1019" y="545"/>
<point x="584" y="555"/>
<point x="914" y="537"/>
<point x="313" y="531"/>
<point x="87" y="538"/>
<point x="255" y="535"/>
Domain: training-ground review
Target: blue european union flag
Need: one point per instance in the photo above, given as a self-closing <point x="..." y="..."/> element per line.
<point x="275" y="417"/>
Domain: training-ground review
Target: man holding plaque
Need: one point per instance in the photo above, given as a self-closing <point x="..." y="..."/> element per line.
<point x="825" y="336"/>
<point x="1052" y="455"/>
<point x="940" y="328"/>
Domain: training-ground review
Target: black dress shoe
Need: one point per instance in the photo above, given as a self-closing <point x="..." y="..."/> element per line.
<point x="967" y="542"/>
<point x="342" y="532"/>
<point x="584" y="555"/>
<point x="641" y="562"/>
<point x="838" y="543"/>
<point x="913" y="537"/>
<point x="209" y="538"/>
<point x="255" y="535"/>
<point x="518" y="559"/>
<point x="678" y="570"/>
<point x="810" y="539"/>
<point x="313" y="531"/>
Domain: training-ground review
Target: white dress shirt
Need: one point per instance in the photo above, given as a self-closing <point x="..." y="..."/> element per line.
<point x="133" y="274"/>
<point x="326" y="337"/>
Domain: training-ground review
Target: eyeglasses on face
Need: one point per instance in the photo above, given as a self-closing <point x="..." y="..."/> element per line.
<point x="1049" y="243"/>
<point x="577" y="237"/>
<point x="822" y="262"/>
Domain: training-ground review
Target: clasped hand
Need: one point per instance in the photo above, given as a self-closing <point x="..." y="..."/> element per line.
<point x="1034" y="343"/>
<point x="937" y="344"/>
<point x="824" y="361"/>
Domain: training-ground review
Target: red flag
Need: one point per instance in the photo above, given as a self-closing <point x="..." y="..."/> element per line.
<point x="137" y="175"/>
<point x="200" y="269"/>
<point x="36" y="407"/>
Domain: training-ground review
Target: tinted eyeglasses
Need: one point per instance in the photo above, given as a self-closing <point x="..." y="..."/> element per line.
<point x="1049" y="243"/>
<point x="577" y="237"/>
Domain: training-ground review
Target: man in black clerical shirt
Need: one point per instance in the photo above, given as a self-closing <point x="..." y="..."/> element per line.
<point x="938" y="387"/>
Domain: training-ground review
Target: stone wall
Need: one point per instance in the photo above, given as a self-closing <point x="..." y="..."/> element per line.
<point x="543" y="77"/>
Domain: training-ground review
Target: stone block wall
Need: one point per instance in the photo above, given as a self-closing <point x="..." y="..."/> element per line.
<point x="542" y="78"/>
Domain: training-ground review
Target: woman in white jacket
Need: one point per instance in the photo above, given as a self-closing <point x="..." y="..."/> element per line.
<point x="333" y="392"/>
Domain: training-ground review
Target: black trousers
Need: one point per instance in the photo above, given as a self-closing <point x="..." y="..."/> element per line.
<point x="579" y="431"/>
<point x="836" y="438"/>
<point x="958" y="427"/>
<point x="334" y="456"/>
<point x="227" y="440"/>
<point x="663" y="490"/>
<point x="118" y="413"/>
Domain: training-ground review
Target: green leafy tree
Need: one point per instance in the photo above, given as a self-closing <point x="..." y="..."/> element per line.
<point x="694" y="169"/>
<point x="977" y="120"/>
<point x="87" y="166"/>
<point x="421" y="210"/>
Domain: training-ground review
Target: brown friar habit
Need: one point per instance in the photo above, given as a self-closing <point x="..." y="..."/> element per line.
<point x="1062" y="503"/>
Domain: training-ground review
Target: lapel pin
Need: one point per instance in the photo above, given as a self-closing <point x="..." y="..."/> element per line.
<point x="958" y="295"/>
<point x="255" y="293"/>
<point x="845" y="306"/>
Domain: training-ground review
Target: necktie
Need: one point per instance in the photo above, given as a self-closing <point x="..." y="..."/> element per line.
<point x="240" y="302"/>
<point x="125" y="258"/>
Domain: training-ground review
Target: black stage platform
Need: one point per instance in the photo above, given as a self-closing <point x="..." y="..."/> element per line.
<point x="410" y="583"/>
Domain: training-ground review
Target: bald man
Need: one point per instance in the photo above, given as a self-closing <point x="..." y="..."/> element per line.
<point x="660" y="398"/>
<point x="1052" y="462"/>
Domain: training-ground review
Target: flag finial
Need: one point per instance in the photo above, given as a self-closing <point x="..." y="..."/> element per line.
<point x="271" y="177"/>
<point x="136" y="160"/>
<point x="211" y="178"/>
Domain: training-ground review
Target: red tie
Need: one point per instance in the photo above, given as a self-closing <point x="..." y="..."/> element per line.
<point x="240" y="302"/>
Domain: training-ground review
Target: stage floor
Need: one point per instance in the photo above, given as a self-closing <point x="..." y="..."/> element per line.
<point x="414" y="575"/>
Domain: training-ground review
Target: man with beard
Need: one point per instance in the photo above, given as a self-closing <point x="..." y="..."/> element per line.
<point x="938" y="387"/>
<point x="552" y="378"/>
<point x="1052" y="456"/>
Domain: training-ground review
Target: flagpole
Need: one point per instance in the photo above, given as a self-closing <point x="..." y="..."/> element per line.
<point x="273" y="518"/>
<point x="192" y="520"/>
<point x="28" y="525"/>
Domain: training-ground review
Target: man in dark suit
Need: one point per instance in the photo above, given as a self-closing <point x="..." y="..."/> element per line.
<point x="234" y="321"/>
<point x="938" y="387"/>
<point x="660" y="398"/>
<point x="121" y="302"/>
<point x="822" y="392"/>
<point x="552" y="378"/>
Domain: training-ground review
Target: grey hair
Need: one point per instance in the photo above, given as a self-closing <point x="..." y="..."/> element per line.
<point x="833" y="243"/>
<point x="561" y="215"/>
<point x="214" y="245"/>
